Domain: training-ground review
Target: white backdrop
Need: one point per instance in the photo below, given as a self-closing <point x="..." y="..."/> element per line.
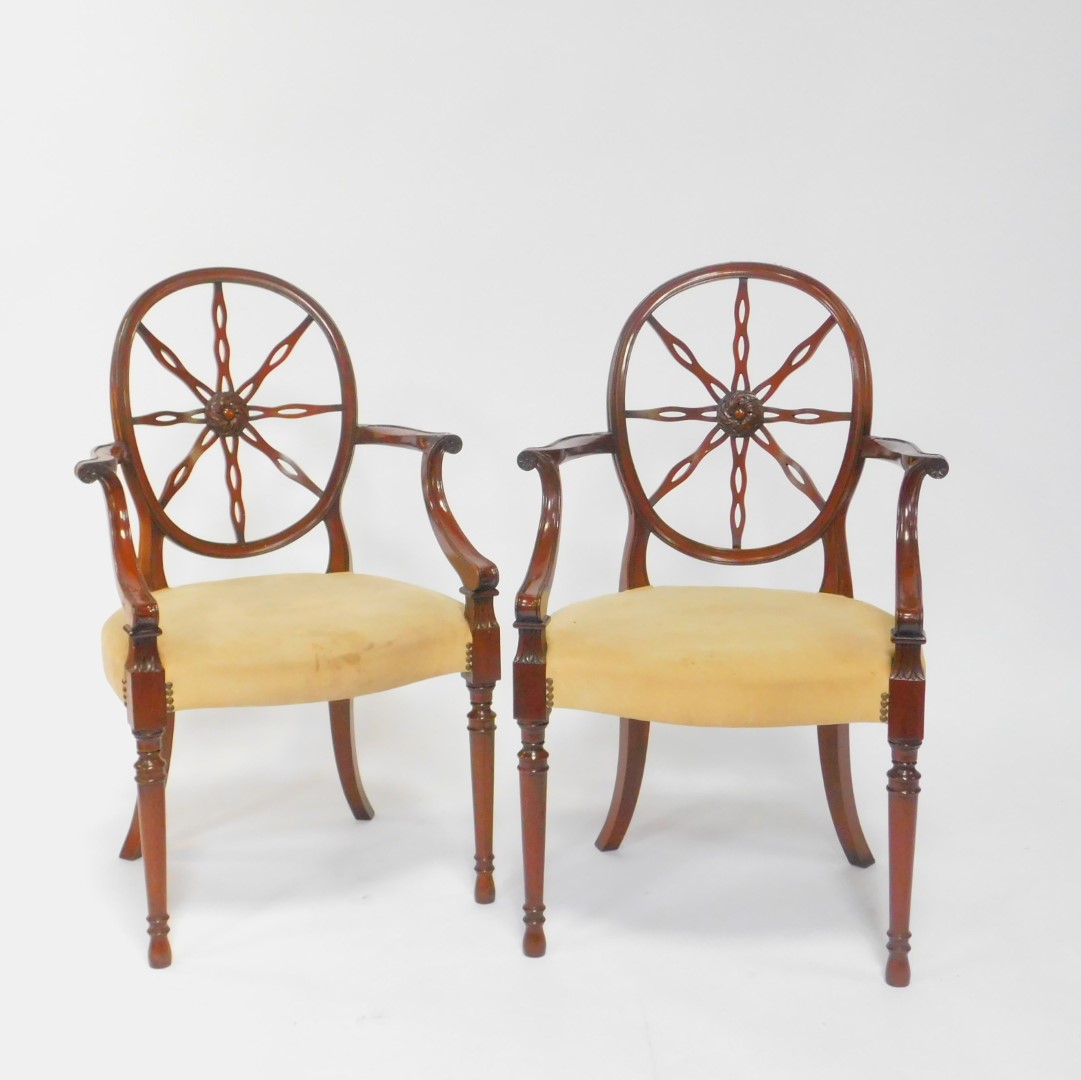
<point x="479" y="193"/>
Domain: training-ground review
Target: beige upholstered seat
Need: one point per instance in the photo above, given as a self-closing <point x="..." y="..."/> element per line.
<point x="724" y="657"/>
<point x="289" y="638"/>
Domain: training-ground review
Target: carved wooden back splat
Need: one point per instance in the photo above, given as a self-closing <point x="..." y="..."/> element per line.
<point x="225" y="414"/>
<point x="743" y="421"/>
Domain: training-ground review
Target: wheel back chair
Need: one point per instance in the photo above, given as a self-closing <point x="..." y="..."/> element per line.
<point x="717" y="655"/>
<point x="278" y="638"/>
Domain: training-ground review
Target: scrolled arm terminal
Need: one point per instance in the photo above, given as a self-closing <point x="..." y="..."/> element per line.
<point x="531" y="604"/>
<point x="477" y="573"/>
<point x="916" y="464"/>
<point x="134" y="592"/>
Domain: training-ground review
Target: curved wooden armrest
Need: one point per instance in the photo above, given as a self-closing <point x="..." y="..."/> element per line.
<point x="907" y="455"/>
<point x="917" y="464"/>
<point x="134" y="592"/>
<point x="477" y="573"/>
<point x="531" y="604"/>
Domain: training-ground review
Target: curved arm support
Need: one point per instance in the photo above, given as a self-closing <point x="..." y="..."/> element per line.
<point x="476" y="572"/>
<point x="134" y="592"/>
<point x="916" y="464"/>
<point x="531" y="604"/>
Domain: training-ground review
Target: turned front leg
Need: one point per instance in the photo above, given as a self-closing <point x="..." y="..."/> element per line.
<point x="132" y="848"/>
<point x="481" y="725"/>
<point x="533" y="783"/>
<point x="904" y="788"/>
<point x="150" y="773"/>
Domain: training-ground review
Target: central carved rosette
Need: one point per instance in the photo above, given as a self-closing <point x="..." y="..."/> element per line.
<point x="740" y="413"/>
<point x="226" y="413"/>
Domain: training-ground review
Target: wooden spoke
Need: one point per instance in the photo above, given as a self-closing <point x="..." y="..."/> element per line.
<point x="234" y="481"/>
<point x="738" y="516"/>
<point x="741" y="345"/>
<point x="683" y="469"/>
<point x="221" y="340"/>
<point x="795" y="472"/>
<point x="172" y="363"/>
<point x="288" y="412"/>
<point x="180" y="475"/>
<point x="285" y="465"/>
<point x="803" y="416"/>
<point x="167" y="419"/>
<point x="671" y="413"/>
<point x="795" y="359"/>
<point x="686" y="359"/>
<point x="277" y="356"/>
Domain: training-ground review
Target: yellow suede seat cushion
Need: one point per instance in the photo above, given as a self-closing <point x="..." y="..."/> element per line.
<point x="722" y="657"/>
<point x="282" y="639"/>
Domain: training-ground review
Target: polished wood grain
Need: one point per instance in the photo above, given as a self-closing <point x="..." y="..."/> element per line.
<point x="224" y="418"/>
<point x="739" y="413"/>
<point x="906" y="693"/>
<point x="343" y="740"/>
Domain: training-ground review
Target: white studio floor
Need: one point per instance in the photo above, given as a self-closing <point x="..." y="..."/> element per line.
<point x="727" y="937"/>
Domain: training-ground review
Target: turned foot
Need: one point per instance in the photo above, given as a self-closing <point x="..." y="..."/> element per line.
<point x="898" y="971"/>
<point x="160" y="953"/>
<point x="484" y="888"/>
<point x="533" y="943"/>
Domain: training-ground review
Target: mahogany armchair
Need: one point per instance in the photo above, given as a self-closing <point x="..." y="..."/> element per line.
<point x="281" y="638"/>
<point x="724" y="656"/>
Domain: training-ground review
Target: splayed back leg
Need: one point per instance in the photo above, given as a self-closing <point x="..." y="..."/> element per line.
<point x="633" y="744"/>
<point x="833" y="753"/>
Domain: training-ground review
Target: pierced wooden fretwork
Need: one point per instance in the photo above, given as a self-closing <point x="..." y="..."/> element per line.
<point x="741" y="344"/>
<point x="277" y="356"/>
<point x="686" y="359"/>
<point x="795" y="472"/>
<point x="740" y="413"/>
<point x="738" y="516"/>
<point x="180" y="475"/>
<point x="672" y="413"/>
<point x="172" y="363"/>
<point x="166" y="418"/>
<point x="222" y="351"/>
<point x="227" y="414"/>
<point x="803" y="416"/>
<point x="234" y="481"/>
<point x="794" y="361"/>
<point x="285" y="465"/>
<point x="295" y="411"/>
<point x="683" y="469"/>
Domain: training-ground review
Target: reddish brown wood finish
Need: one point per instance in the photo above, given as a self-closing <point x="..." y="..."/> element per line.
<point x="226" y="413"/>
<point x="630" y="769"/>
<point x="906" y="694"/>
<point x="531" y="700"/>
<point x="132" y="847"/>
<point x="740" y="414"/>
<point x="345" y="759"/>
<point x="836" y="761"/>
